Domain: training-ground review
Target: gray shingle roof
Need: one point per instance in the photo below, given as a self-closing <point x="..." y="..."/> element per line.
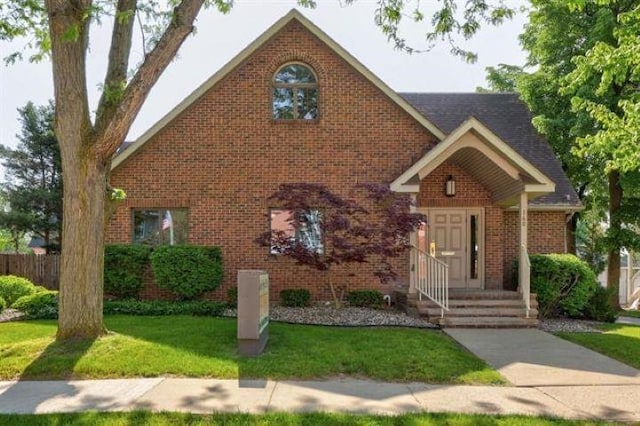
<point x="509" y="118"/>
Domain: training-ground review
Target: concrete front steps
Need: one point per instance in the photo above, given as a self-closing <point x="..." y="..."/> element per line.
<point x="478" y="309"/>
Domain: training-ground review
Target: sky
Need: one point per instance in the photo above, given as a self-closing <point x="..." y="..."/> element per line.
<point x="220" y="37"/>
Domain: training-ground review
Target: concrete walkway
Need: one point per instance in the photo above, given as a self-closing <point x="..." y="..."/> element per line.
<point x="618" y="403"/>
<point x="529" y="357"/>
<point x="628" y="320"/>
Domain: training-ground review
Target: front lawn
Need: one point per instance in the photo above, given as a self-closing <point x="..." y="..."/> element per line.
<point x="281" y="419"/>
<point x="206" y="347"/>
<point x="618" y="341"/>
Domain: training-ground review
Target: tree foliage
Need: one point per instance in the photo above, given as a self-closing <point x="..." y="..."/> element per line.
<point x="502" y="79"/>
<point x="577" y="51"/>
<point x="351" y="232"/>
<point x="33" y="185"/>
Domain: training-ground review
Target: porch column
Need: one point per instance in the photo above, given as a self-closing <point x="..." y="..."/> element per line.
<point x="413" y="261"/>
<point x="524" y="269"/>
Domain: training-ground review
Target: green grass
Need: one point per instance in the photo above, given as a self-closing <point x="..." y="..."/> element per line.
<point x="635" y="314"/>
<point x="281" y="419"/>
<point x="618" y="341"/>
<point x="206" y="347"/>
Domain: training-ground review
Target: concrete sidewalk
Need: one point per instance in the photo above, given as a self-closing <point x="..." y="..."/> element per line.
<point x="206" y="396"/>
<point x="530" y="357"/>
<point x="628" y="320"/>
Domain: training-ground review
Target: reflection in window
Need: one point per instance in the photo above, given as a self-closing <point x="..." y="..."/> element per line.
<point x="285" y="233"/>
<point x="295" y="93"/>
<point x="473" y="250"/>
<point x="160" y="227"/>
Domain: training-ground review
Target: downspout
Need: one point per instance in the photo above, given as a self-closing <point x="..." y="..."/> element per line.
<point x="570" y="215"/>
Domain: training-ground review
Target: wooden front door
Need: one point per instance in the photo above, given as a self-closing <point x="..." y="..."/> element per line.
<point x="456" y="236"/>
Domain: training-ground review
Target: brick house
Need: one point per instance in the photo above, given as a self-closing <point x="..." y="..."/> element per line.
<point x="294" y="106"/>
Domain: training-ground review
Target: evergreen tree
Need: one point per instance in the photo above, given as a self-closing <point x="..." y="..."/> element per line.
<point x="33" y="179"/>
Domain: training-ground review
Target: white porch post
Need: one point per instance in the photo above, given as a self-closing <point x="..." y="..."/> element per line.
<point x="523" y="263"/>
<point x="413" y="261"/>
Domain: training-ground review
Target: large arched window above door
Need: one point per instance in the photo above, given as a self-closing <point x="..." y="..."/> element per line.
<point x="295" y="93"/>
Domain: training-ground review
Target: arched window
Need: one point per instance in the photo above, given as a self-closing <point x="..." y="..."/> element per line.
<point x="295" y="93"/>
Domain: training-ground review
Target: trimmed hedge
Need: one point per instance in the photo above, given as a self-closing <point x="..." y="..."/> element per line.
<point x="123" y="268"/>
<point x="599" y="308"/>
<point x="42" y="305"/>
<point x="564" y="284"/>
<point x="12" y="288"/>
<point x="365" y="298"/>
<point x="163" y="308"/>
<point x="187" y="271"/>
<point x="295" y="297"/>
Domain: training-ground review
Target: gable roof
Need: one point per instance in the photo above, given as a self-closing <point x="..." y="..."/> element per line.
<point x="509" y="119"/>
<point x="494" y="163"/>
<point x="293" y="15"/>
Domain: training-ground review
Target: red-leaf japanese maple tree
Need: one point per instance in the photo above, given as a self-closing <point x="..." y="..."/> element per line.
<point x="375" y="229"/>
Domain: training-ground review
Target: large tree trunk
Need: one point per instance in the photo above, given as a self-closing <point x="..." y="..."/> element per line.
<point x="86" y="150"/>
<point x="613" y="264"/>
<point x="82" y="260"/>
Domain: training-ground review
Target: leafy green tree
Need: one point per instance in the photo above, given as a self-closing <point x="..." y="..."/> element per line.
<point x="611" y="68"/>
<point x="33" y="186"/>
<point x="503" y="78"/>
<point x="88" y="141"/>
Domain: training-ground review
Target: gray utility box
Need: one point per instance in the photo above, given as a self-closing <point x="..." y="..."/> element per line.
<point x="253" y="311"/>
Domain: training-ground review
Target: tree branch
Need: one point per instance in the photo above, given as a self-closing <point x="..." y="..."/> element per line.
<point x="118" y="65"/>
<point x="113" y="132"/>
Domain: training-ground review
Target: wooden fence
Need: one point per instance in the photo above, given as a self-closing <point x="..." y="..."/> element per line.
<point x="40" y="269"/>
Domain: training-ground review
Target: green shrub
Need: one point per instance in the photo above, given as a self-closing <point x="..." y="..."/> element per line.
<point x="3" y="304"/>
<point x="42" y="305"/>
<point x="40" y="289"/>
<point x="188" y="271"/>
<point x="163" y="307"/>
<point x="295" y="297"/>
<point x="599" y="308"/>
<point x="564" y="284"/>
<point x="232" y="297"/>
<point x="12" y="288"/>
<point x="123" y="268"/>
<point x="365" y="298"/>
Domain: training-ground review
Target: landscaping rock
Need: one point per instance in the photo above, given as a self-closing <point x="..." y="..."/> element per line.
<point x="569" y="325"/>
<point x="10" y="315"/>
<point x="349" y="317"/>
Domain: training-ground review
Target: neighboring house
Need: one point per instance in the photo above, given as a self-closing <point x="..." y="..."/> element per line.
<point x="294" y="106"/>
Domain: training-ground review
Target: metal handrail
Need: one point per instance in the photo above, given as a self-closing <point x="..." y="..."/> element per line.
<point x="431" y="278"/>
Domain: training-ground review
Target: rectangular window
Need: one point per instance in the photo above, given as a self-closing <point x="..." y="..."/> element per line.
<point x="307" y="233"/>
<point x="160" y="226"/>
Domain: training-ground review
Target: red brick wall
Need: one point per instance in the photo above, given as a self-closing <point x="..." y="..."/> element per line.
<point x="224" y="155"/>
<point x="546" y="235"/>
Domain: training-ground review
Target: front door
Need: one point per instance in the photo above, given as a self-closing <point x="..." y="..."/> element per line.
<point x="455" y="237"/>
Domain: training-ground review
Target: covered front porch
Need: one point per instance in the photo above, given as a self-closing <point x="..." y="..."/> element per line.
<point x="467" y="186"/>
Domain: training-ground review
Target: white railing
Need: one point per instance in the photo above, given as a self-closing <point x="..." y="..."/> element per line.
<point x="525" y="279"/>
<point x="431" y="278"/>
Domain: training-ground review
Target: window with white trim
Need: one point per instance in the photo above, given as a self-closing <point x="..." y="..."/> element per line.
<point x="295" y="93"/>
<point x="156" y="227"/>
